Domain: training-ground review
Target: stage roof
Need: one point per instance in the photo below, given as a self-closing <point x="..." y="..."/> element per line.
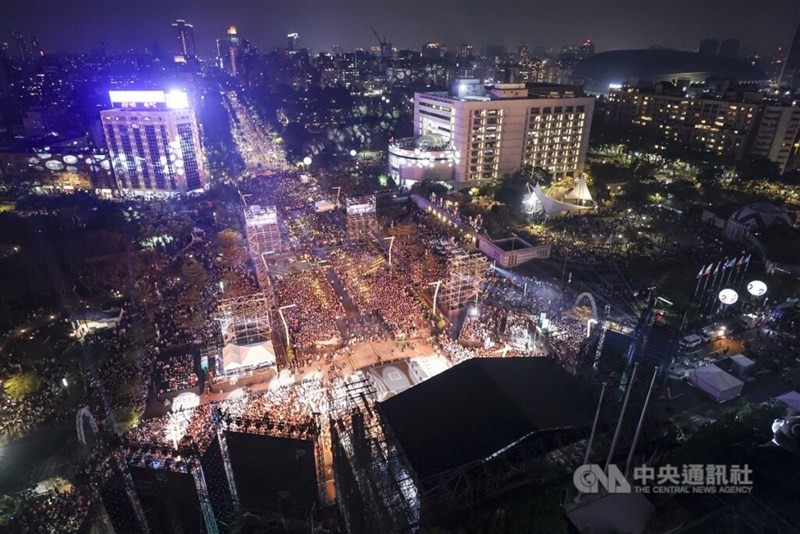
<point x="481" y="406"/>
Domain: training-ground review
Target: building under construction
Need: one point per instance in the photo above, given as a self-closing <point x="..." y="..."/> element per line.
<point x="502" y="423"/>
<point x="465" y="276"/>
<point x="362" y="220"/>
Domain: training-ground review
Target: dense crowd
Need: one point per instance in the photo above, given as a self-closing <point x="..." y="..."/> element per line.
<point x="52" y="512"/>
<point x="176" y="373"/>
<point x="312" y="322"/>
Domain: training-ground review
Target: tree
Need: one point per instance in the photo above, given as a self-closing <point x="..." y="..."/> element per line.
<point x="194" y="272"/>
<point x="757" y="168"/>
<point x="22" y="384"/>
<point x="426" y="187"/>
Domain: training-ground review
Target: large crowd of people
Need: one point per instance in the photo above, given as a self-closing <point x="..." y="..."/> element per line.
<point x="312" y="322"/>
<point x="56" y="510"/>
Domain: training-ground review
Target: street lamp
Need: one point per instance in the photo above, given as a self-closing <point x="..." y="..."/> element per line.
<point x="338" y="191"/>
<point x="283" y="320"/>
<point x="435" y="295"/>
<point x="589" y="326"/>
<point x="391" y="244"/>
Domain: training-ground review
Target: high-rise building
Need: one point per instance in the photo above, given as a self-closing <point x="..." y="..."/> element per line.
<point x="586" y="49"/>
<point x="708" y="47"/>
<point x="523" y="53"/>
<point x="464" y="50"/>
<point x="292" y="41"/>
<point x="229" y="52"/>
<point x="36" y="47"/>
<point x="153" y="142"/>
<point x="23" y="52"/>
<point x="499" y="130"/>
<point x="184" y="33"/>
<point x="495" y="53"/>
<point x="432" y="50"/>
<point x="729" y="48"/>
<point x="790" y="75"/>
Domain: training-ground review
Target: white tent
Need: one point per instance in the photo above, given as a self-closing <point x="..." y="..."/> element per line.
<point x="580" y="191"/>
<point x="324" y="205"/>
<point x="246" y="356"/>
<point x="716" y="382"/>
<point x="552" y="206"/>
<point x="791" y="400"/>
<point x="742" y="364"/>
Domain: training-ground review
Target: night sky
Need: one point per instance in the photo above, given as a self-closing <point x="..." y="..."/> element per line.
<point x="77" y="25"/>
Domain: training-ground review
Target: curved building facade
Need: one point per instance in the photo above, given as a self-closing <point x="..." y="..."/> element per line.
<point x="427" y="157"/>
<point x="609" y="70"/>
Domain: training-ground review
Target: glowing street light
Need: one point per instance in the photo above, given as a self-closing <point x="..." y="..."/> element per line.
<point x="285" y="326"/>
<point x="353" y="153"/>
<point x="307" y="161"/>
<point x="391" y="244"/>
<point x="589" y="326"/>
<point x="435" y="294"/>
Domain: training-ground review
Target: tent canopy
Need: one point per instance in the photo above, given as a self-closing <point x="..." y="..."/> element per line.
<point x="324" y="205"/>
<point x="236" y="356"/>
<point x="580" y="191"/>
<point x="551" y="205"/>
<point x="716" y="382"/>
<point x="791" y="399"/>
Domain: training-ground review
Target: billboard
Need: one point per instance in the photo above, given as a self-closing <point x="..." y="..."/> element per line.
<point x="360" y="209"/>
<point x="174" y="99"/>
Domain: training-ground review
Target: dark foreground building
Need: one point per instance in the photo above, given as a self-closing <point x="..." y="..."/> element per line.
<point x="457" y="441"/>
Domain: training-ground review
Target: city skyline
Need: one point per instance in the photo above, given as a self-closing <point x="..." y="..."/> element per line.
<point x="761" y="27"/>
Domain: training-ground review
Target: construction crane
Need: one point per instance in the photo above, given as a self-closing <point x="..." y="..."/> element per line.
<point x="385" y="46"/>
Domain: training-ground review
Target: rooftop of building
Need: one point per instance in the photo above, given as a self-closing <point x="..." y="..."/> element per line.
<point x="475" y="90"/>
<point x="478" y="408"/>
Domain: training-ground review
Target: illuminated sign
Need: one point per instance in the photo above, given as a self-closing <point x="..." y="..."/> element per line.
<point x="728" y="296"/>
<point x="360" y="209"/>
<point x="174" y="99"/>
<point x="756" y="288"/>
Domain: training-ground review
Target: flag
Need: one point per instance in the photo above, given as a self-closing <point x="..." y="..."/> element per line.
<point x="730" y="263"/>
<point x="716" y="269"/>
<point x="708" y="269"/>
<point x="740" y="262"/>
<point x="747" y="259"/>
<point x="702" y="272"/>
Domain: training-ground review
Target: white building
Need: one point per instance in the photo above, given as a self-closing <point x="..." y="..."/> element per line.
<point x="497" y="130"/>
<point x="153" y="142"/>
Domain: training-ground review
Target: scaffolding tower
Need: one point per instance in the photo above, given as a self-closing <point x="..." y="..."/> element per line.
<point x="261" y="227"/>
<point x="373" y="477"/>
<point x="465" y="276"/>
<point x="361" y="217"/>
<point x="245" y="320"/>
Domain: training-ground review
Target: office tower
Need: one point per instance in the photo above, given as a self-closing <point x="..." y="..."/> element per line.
<point x="36" y="47"/>
<point x="523" y="53"/>
<point x="432" y="50"/>
<point x="790" y="75"/>
<point x="184" y="33"/>
<point x="586" y="49"/>
<point x="153" y="142"/>
<point x="464" y="50"/>
<point x="729" y="48"/>
<point x="545" y="127"/>
<point x="495" y="52"/>
<point x="229" y="52"/>
<point x="292" y="42"/>
<point x="708" y="47"/>
<point x="22" y="46"/>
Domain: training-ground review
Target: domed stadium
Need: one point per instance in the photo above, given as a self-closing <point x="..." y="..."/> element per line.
<point x="606" y="70"/>
<point x="760" y="215"/>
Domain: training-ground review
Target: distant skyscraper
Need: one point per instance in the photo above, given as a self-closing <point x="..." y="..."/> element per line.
<point x="495" y="52"/>
<point x="153" y="142"/>
<point x="523" y="52"/>
<point x="229" y="51"/>
<point x="729" y="48"/>
<point x="432" y="50"/>
<point x="464" y="50"/>
<point x="36" y="47"/>
<point x="22" y="47"/>
<point x="790" y="75"/>
<point x="586" y="49"/>
<point x="708" y="47"/>
<point x="292" y="41"/>
<point x="184" y="33"/>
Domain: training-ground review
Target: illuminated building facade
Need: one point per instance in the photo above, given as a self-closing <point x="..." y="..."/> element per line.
<point x="229" y="52"/>
<point x="730" y="127"/>
<point x="790" y="75"/>
<point x="153" y="142"/>
<point x="496" y="131"/>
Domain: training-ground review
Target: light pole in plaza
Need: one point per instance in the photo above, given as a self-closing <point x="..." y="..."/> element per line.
<point x="338" y="192"/>
<point x="391" y="244"/>
<point x="438" y="284"/>
<point x="285" y="326"/>
<point x="244" y="197"/>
